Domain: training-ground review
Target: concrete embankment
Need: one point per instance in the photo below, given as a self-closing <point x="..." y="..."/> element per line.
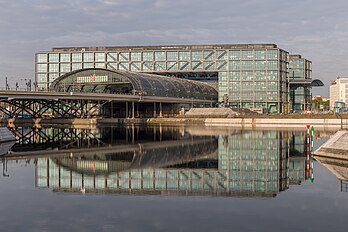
<point x="6" y="135"/>
<point x="336" y="147"/>
<point x="212" y="122"/>
<point x="273" y="122"/>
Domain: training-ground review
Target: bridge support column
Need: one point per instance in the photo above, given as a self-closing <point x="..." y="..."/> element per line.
<point x="160" y="105"/>
<point x="154" y="109"/>
<point x="127" y="110"/>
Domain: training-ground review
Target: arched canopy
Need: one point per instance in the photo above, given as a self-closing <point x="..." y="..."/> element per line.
<point x="317" y="82"/>
<point x="96" y="80"/>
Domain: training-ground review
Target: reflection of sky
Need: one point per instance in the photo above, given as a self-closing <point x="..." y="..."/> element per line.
<point x="309" y="207"/>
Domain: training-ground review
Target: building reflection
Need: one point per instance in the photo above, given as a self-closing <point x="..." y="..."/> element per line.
<point x="239" y="163"/>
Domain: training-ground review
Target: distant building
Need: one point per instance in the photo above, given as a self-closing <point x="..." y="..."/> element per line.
<point x="254" y="76"/>
<point x="338" y="91"/>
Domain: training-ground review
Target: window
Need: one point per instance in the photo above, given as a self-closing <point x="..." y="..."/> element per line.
<point x="135" y="56"/>
<point x="76" y="57"/>
<point x="41" y="58"/>
<point x="76" y="66"/>
<point x="41" y="67"/>
<point x="160" y="56"/>
<point x="172" y="55"/>
<point x="184" y="55"/>
<point x="53" y="57"/>
<point x="53" y="67"/>
<point x="234" y="54"/>
<point x="88" y="57"/>
<point x="147" y="56"/>
<point x="99" y="56"/>
<point x="65" y="57"/>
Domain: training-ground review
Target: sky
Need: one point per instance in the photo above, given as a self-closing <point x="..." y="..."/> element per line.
<point x="316" y="29"/>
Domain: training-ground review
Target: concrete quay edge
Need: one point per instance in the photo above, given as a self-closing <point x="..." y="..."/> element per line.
<point x="336" y="147"/>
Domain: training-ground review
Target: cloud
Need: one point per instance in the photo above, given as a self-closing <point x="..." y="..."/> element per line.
<point x="314" y="28"/>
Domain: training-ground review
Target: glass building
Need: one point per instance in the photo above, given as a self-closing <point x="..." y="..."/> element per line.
<point x="300" y="74"/>
<point x="254" y="76"/>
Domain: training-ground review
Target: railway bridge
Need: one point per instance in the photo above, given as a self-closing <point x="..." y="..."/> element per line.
<point x="105" y="93"/>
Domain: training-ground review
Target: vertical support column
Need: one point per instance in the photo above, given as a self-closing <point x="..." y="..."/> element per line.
<point x="127" y="110"/>
<point x="133" y="109"/>
<point x="154" y="109"/>
<point x="112" y="109"/>
<point x="161" y="114"/>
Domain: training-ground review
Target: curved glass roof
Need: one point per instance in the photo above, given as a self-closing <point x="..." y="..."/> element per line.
<point x="96" y="80"/>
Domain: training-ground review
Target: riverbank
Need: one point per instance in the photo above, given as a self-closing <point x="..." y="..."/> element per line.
<point x="336" y="147"/>
<point x="253" y="122"/>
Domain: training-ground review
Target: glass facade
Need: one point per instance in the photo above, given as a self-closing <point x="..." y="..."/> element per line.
<point x="300" y="75"/>
<point x="251" y="75"/>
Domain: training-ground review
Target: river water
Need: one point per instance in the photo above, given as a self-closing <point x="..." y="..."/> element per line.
<point x="139" y="178"/>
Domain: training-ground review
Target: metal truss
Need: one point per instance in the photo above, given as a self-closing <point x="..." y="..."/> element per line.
<point x="39" y="108"/>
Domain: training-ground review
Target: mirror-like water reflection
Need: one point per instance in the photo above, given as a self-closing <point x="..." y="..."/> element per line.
<point x="138" y="178"/>
<point x="164" y="160"/>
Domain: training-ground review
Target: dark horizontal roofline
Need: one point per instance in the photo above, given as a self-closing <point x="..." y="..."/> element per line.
<point x="165" y="47"/>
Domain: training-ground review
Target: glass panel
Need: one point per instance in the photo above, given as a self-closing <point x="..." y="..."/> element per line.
<point x="112" y="65"/>
<point x="41" y="67"/>
<point x="88" y="65"/>
<point x="99" y="56"/>
<point x="272" y="65"/>
<point x="41" y="77"/>
<point x="64" y="67"/>
<point x="172" y="55"/>
<point x="123" y="66"/>
<point x="147" y="56"/>
<point x="209" y="65"/>
<point x="184" y="65"/>
<point x="53" y="67"/>
<point x="184" y="55"/>
<point x="172" y="65"/>
<point x="272" y="54"/>
<point x="197" y="65"/>
<point x="99" y="65"/>
<point x="222" y="55"/>
<point x="135" y="66"/>
<point x="234" y="54"/>
<point x="247" y="54"/>
<point x="41" y="57"/>
<point x="235" y="65"/>
<point x="160" y="56"/>
<point x="76" y="66"/>
<point x="88" y="57"/>
<point x="160" y="66"/>
<point x="260" y="54"/>
<point x="111" y="56"/>
<point x="76" y="57"/>
<point x="135" y="56"/>
<point x="123" y="56"/>
<point x="247" y="65"/>
<point x="209" y="55"/>
<point x="65" y="57"/>
<point x="53" y="57"/>
<point x="148" y="66"/>
<point x="197" y="55"/>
